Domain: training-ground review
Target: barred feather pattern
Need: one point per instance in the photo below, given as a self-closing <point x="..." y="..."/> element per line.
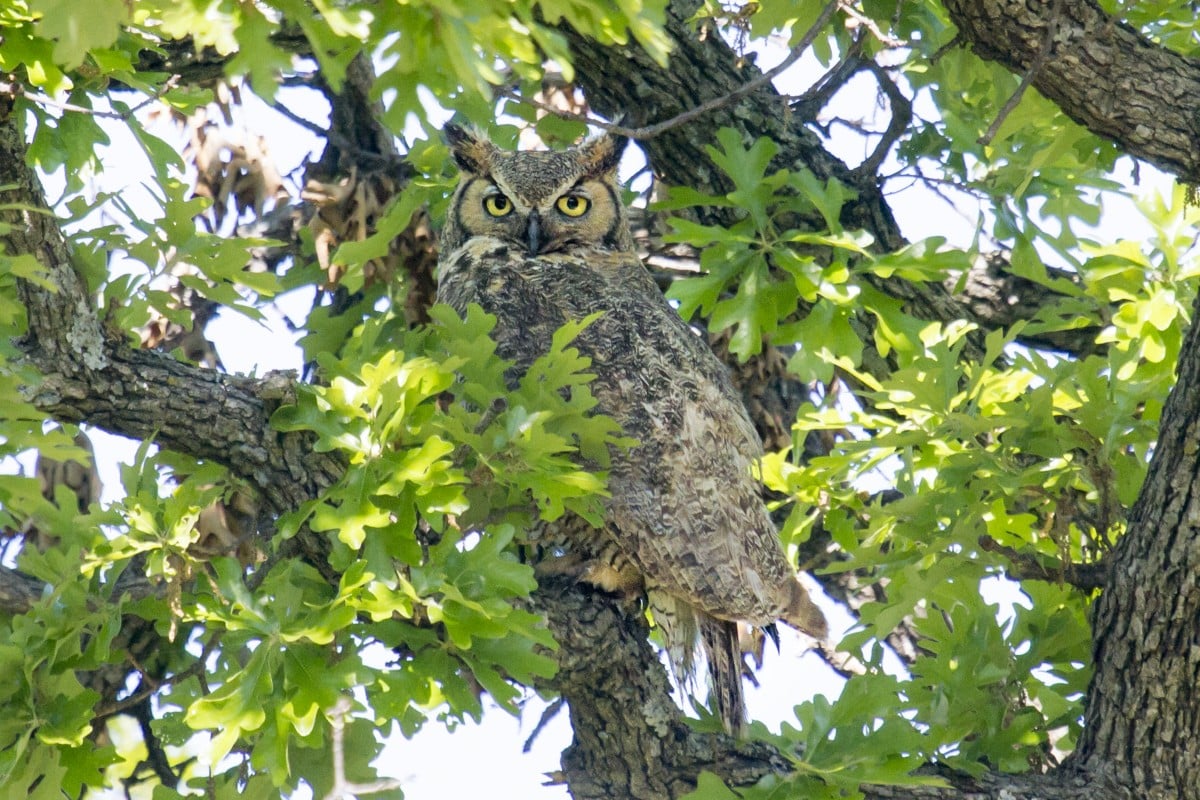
<point x="685" y="521"/>
<point x="688" y="633"/>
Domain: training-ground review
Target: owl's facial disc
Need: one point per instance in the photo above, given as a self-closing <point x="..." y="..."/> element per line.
<point x="559" y="221"/>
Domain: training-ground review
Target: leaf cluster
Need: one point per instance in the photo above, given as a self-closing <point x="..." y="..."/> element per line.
<point x="448" y="468"/>
<point x="938" y="454"/>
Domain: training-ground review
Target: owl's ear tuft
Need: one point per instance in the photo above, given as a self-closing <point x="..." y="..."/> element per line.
<point x="602" y="154"/>
<point x="472" y="151"/>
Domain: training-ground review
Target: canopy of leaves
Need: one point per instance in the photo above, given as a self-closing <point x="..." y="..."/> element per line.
<point x="928" y="457"/>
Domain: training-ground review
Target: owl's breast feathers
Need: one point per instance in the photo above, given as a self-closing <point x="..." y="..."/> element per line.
<point x="685" y="503"/>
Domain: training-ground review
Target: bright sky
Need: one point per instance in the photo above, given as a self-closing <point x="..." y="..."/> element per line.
<point x="486" y="760"/>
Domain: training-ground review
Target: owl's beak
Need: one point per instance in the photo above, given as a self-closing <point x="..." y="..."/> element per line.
<point x="533" y="230"/>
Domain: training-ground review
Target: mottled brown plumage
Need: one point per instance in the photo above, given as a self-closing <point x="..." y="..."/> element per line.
<point x="541" y="238"/>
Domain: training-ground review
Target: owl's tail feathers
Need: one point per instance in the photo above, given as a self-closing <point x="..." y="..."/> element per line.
<point x="802" y="613"/>
<point x="686" y="629"/>
<point x="677" y="622"/>
<point x="723" y="650"/>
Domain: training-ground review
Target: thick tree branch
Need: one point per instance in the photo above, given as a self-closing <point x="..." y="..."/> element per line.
<point x="179" y="57"/>
<point x="90" y="375"/>
<point x="19" y="592"/>
<point x="658" y="756"/>
<point x="1143" y="713"/>
<point x="999" y="298"/>
<point x="1102" y="73"/>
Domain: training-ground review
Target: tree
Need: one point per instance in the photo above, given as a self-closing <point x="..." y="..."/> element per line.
<point x="1029" y="398"/>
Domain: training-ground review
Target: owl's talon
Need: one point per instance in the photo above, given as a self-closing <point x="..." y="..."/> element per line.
<point x="624" y="582"/>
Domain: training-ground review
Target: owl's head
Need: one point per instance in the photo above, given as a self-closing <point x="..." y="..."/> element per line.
<point x="541" y="202"/>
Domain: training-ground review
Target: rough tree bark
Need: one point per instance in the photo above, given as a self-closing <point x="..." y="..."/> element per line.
<point x="1102" y="73"/>
<point x="1142" y="713"/>
<point x="1142" y="726"/>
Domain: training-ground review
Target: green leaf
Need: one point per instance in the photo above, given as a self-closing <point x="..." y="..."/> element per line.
<point x="710" y="787"/>
<point x="825" y="338"/>
<point x="75" y="34"/>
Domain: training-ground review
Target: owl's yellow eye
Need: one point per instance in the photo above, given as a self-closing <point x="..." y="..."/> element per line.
<point x="573" y="205"/>
<point x="497" y="205"/>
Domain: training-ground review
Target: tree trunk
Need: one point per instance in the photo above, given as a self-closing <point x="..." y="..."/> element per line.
<point x="1143" y="713"/>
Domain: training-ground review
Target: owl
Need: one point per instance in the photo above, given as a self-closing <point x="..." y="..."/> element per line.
<point x="538" y="239"/>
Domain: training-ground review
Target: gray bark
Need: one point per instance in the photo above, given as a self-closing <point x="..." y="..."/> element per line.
<point x="1143" y="714"/>
<point x="1102" y="73"/>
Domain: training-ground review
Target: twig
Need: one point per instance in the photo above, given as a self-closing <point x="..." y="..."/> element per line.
<point x="651" y="131"/>
<point x="1026" y="566"/>
<point x="940" y="53"/>
<point x="151" y="685"/>
<point x="301" y="121"/>
<point x="342" y="788"/>
<point x="822" y="91"/>
<point x="868" y="23"/>
<point x="156" y="756"/>
<point x="167" y="86"/>
<point x="1026" y="79"/>
<point x="550" y="713"/>
<point x="901" y="118"/>
<point x="15" y="90"/>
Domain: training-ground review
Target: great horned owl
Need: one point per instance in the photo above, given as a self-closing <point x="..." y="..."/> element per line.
<point x="541" y="238"/>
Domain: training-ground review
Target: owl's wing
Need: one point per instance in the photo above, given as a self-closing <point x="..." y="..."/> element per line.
<point x="685" y="500"/>
<point x="689" y="502"/>
<point x="686" y="506"/>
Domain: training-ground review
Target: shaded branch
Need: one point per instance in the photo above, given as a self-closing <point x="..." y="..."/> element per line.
<point x="179" y="57"/>
<point x="1028" y="566"/>
<point x="816" y="97"/>
<point x="652" y="130"/>
<point x="902" y="116"/>
<point x="156" y="756"/>
<point x="18" y="591"/>
<point x="1036" y="65"/>
<point x="998" y="298"/>
<point x="1145" y="111"/>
